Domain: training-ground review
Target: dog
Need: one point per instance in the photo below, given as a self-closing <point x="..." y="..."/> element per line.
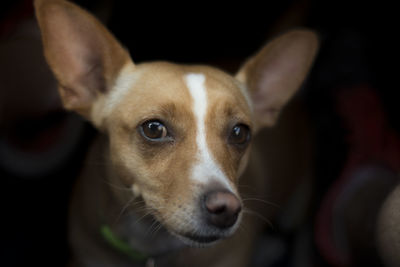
<point x="161" y="184"/>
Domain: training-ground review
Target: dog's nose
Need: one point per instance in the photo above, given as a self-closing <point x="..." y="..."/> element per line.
<point x="221" y="208"/>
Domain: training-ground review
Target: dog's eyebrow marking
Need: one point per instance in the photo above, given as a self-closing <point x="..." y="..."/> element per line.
<point x="123" y="84"/>
<point x="206" y="169"/>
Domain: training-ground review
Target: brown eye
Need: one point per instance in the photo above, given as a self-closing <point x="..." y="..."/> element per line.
<point x="154" y="130"/>
<point x="240" y="135"/>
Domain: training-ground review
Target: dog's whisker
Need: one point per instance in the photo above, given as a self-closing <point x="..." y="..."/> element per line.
<point x="147" y="211"/>
<point x="139" y="203"/>
<point x="124" y="208"/>
<point x="138" y="208"/>
<point x="118" y="187"/>
<point x="151" y="227"/>
<point x="133" y="203"/>
<point x="262" y="201"/>
<point x="156" y="229"/>
<point x="259" y="216"/>
<point x="142" y="217"/>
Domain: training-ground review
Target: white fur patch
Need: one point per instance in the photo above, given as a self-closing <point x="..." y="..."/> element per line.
<point x="103" y="107"/>
<point x="205" y="169"/>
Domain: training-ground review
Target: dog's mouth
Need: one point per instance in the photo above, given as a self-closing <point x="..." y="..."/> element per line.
<point x="197" y="240"/>
<point x="202" y="239"/>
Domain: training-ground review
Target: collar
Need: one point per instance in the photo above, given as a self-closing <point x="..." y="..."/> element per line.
<point x="123" y="247"/>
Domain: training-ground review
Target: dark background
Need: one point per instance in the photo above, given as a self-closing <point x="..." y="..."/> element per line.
<point x="357" y="47"/>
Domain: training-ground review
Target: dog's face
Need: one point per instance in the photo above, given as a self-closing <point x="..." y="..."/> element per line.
<point x="179" y="135"/>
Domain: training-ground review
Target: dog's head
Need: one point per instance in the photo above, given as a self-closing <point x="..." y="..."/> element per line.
<point x="179" y="135"/>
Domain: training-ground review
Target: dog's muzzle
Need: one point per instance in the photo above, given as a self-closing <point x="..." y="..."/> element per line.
<point x="219" y="214"/>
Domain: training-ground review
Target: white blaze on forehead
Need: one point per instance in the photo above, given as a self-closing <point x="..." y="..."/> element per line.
<point x="205" y="169"/>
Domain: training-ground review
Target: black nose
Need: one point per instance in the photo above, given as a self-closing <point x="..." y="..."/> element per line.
<point x="221" y="208"/>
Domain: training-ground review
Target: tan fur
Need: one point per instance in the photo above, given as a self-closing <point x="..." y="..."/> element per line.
<point x="118" y="96"/>
<point x="162" y="172"/>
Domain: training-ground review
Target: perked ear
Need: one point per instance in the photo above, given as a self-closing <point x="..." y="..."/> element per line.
<point x="84" y="57"/>
<point x="275" y="73"/>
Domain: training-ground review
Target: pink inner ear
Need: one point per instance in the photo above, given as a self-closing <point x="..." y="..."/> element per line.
<point x="281" y="73"/>
<point x="83" y="55"/>
<point x="76" y="99"/>
<point x="74" y="50"/>
<point x="277" y="72"/>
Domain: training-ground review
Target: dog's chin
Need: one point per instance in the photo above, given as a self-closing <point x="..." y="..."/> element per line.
<point x="196" y="240"/>
<point x="203" y="237"/>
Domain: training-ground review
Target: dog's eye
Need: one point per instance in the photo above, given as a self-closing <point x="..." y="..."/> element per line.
<point x="154" y="130"/>
<point x="240" y="135"/>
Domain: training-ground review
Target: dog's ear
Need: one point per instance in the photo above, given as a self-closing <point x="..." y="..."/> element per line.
<point x="83" y="55"/>
<point x="275" y="73"/>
